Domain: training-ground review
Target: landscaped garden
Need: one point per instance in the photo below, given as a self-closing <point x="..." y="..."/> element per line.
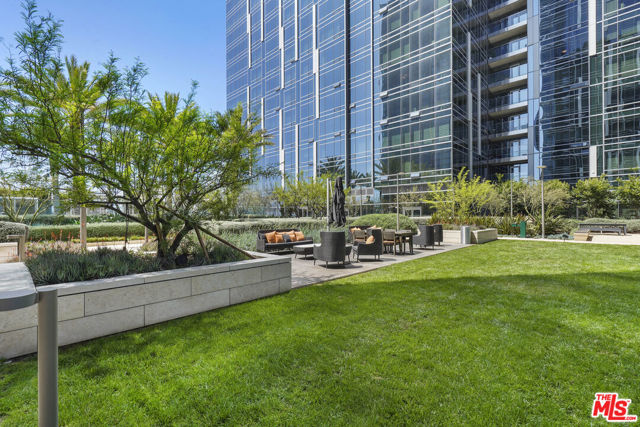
<point x="504" y="333"/>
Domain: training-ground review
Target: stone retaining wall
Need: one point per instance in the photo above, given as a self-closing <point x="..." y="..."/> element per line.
<point x="484" y="236"/>
<point x="96" y="308"/>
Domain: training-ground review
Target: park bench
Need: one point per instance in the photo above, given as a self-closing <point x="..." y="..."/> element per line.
<point x="603" y="228"/>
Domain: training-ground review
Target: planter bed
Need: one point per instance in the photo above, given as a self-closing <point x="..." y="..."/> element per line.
<point x="96" y="308"/>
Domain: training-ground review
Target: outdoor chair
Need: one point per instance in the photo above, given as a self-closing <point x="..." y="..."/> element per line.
<point x="437" y="233"/>
<point x="332" y="248"/>
<point x="426" y="236"/>
<point x="372" y="249"/>
<point x="358" y="235"/>
<point x="389" y="240"/>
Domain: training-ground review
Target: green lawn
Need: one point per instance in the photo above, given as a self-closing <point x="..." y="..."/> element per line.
<point x="504" y="333"/>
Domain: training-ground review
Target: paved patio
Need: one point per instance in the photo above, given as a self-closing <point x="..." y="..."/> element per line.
<point x="304" y="273"/>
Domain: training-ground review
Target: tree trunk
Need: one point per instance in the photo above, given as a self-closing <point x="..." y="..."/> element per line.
<point x="83" y="228"/>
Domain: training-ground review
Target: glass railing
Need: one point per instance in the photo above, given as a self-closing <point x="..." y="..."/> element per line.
<point x="508" y="21"/>
<point x="509" y="73"/>
<point x="511" y="98"/>
<point x="508" y="124"/>
<point x="493" y="3"/>
<point x="512" y="46"/>
<point x="506" y="149"/>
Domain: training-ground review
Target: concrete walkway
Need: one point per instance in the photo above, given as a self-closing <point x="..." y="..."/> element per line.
<point x="604" y="239"/>
<point x="304" y="273"/>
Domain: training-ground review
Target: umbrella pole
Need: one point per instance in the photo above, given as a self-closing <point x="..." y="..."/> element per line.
<point x="328" y="205"/>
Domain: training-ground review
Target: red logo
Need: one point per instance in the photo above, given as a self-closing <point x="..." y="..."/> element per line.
<point x="612" y="409"/>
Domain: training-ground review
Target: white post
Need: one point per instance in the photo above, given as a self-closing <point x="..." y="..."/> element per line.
<point x="542" y="195"/>
<point x="511" y="197"/>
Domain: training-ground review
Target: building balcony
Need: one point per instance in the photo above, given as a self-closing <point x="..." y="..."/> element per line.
<point x="504" y="160"/>
<point x="504" y="134"/>
<point x="508" y="58"/>
<point x="508" y="109"/>
<point x="508" y="83"/>
<point x="500" y="8"/>
<point x="507" y="33"/>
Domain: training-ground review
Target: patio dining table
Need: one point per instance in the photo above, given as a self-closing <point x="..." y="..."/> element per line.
<point x="406" y="236"/>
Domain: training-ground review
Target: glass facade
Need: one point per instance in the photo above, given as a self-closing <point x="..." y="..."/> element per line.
<point x="396" y="94"/>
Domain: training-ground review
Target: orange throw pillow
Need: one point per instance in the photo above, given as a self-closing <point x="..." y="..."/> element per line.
<point x="370" y="239"/>
<point x="271" y="237"/>
<point x="292" y="235"/>
<point x="279" y="238"/>
<point x="299" y="236"/>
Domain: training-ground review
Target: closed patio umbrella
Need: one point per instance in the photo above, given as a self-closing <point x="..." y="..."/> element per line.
<point x="339" y="217"/>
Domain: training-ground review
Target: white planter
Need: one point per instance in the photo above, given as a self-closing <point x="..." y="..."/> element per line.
<point x="96" y="308"/>
<point x="484" y="236"/>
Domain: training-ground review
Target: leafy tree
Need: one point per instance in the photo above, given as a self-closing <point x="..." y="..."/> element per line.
<point x="556" y="197"/>
<point x="460" y="198"/>
<point x="301" y="195"/>
<point x="25" y="193"/>
<point x="596" y="195"/>
<point x="628" y="193"/>
<point x="175" y="165"/>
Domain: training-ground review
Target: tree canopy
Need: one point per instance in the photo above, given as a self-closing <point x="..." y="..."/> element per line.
<point x="158" y="160"/>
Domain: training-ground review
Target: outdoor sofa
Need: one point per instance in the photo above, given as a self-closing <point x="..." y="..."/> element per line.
<point x="262" y="245"/>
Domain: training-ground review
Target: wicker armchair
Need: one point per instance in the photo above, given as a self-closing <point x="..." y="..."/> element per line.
<point x="426" y="236"/>
<point x="332" y="248"/>
<point x="373" y="249"/>
<point x="437" y="233"/>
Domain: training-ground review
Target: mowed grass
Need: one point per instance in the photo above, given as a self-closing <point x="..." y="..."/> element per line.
<point x="505" y="333"/>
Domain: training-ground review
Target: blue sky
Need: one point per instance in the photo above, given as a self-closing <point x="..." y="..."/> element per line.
<point x="179" y="40"/>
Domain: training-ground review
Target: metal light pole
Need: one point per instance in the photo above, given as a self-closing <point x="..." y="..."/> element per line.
<point x="328" y="204"/>
<point x="16" y="292"/>
<point x="48" y="358"/>
<point x="542" y="168"/>
<point x="511" y="180"/>
<point x="397" y="202"/>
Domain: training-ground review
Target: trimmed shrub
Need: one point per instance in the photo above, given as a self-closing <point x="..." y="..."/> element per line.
<point x="385" y="221"/>
<point x="304" y="224"/>
<point x="9" y="228"/>
<point x="633" y="225"/>
<point x="68" y="232"/>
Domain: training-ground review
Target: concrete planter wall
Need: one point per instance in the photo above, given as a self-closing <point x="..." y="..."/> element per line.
<point x="451" y="236"/>
<point x="96" y="308"/>
<point x="484" y="236"/>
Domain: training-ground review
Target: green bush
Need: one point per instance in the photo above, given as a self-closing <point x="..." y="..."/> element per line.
<point x="385" y="221"/>
<point x="633" y="225"/>
<point x="68" y="232"/>
<point x="9" y="228"/>
<point x="304" y="224"/>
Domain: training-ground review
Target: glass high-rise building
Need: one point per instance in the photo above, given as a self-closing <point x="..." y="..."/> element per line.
<point x="394" y="94"/>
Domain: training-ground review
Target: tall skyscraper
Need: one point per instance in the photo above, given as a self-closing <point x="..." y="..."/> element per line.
<point x="396" y="94"/>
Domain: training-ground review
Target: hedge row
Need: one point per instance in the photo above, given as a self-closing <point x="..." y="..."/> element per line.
<point x="305" y="224"/>
<point x="48" y="219"/>
<point x="385" y="221"/>
<point x="633" y="225"/>
<point x="67" y="232"/>
<point x="11" y="228"/>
